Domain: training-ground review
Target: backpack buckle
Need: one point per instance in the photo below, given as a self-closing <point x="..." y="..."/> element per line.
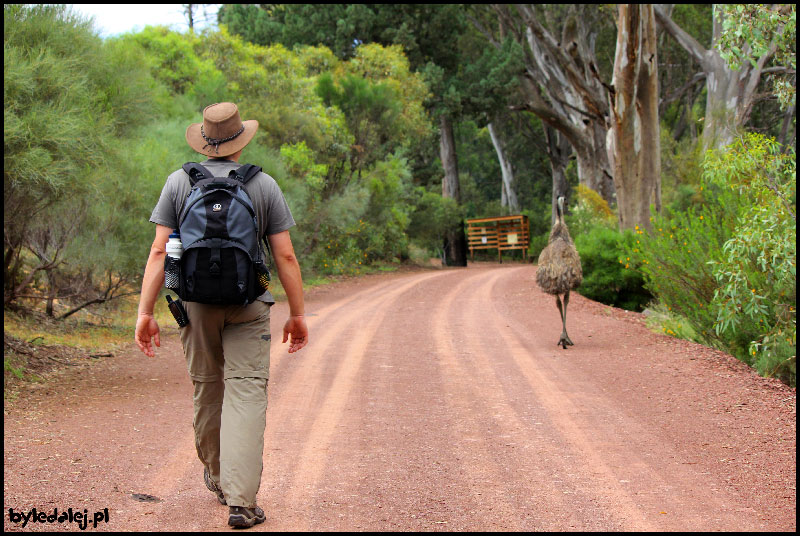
<point x="214" y="263"/>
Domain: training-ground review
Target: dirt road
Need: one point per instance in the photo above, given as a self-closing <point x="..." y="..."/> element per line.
<point x="434" y="400"/>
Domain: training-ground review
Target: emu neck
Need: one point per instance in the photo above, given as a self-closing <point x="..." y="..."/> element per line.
<point x="559" y="232"/>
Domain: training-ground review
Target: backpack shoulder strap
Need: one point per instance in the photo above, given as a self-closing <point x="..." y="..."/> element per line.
<point x="196" y="172"/>
<point x="246" y="172"/>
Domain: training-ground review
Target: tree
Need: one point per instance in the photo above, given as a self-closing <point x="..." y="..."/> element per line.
<point x="561" y="81"/>
<point x="427" y="33"/>
<point x="69" y="97"/>
<point x="731" y="93"/>
<point x="634" y="147"/>
<point x="680" y="82"/>
<point x="508" y="196"/>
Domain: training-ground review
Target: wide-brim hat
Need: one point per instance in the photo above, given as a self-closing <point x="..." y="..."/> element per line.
<point x="222" y="132"/>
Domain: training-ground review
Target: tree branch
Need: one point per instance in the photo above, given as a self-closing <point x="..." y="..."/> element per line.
<point x="99" y="299"/>
<point x="689" y="43"/>
<point x="678" y="93"/>
<point x="485" y="32"/>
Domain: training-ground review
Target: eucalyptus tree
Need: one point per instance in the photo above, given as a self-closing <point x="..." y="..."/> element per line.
<point x="561" y="81"/>
<point x="634" y="136"/>
<point x="730" y="93"/>
<point x="613" y="128"/>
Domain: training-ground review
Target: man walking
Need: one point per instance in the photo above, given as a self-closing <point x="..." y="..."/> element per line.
<point x="227" y="346"/>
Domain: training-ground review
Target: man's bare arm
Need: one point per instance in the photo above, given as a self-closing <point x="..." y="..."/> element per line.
<point x="292" y="281"/>
<point x="153" y="280"/>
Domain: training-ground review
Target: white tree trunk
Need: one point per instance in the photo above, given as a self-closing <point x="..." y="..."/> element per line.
<point x="509" y="196"/>
<point x="562" y="87"/>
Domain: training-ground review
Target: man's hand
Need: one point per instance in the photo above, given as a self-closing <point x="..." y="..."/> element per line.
<point x="153" y="280"/>
<point x="147" y="327"/>
<point x="296" y="327"/>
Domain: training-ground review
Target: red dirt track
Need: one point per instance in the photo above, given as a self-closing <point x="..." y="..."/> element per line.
<point x="431" y="400"/>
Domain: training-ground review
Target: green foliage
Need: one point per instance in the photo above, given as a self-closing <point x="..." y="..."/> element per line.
<point x="388" y="66"/>
<point x="681" y="171"/>
<point x="370" y="110"/>
<point x="68" y="97"/>
<point x="433" y="215"/>
<point x="752" y="31"/>
<point x="50" y="114"/>
<point x="726" y="262"/>
<point x="673" y="256"/>
<point x="660" y="318"/>
<point x="756" y="273"/>
<point x="429" y="34"/>
<point x="609" y="275"/>
<point x="174" y="62"/>
<point x="490" y="80"/>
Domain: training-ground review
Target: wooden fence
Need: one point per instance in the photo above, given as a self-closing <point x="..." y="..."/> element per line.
<point x="505" y="233"/>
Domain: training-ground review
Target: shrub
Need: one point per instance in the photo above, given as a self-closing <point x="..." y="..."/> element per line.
<point x="674" y="257"/>
<point x="726" y="263"/>
<point x="589" y="211"/>
<point x="756" y="274"/>
<point x="69" y="98"/>
<point x="432" y="216"/>
<point x="609" y="275"/>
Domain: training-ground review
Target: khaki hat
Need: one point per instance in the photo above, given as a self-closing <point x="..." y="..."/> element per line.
<point x="222" y="132"/>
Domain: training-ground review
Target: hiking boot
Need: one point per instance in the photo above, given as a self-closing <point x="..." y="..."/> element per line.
<point x="242" y="517"/>
<point x="213" y="487"/>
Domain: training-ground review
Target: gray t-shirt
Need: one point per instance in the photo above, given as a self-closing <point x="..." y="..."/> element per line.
<point x="272" y="211"/>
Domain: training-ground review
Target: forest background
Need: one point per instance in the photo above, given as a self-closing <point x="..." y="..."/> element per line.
<point x="386" y="126"/>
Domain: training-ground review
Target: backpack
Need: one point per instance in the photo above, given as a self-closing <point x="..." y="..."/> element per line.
<point x="222" y="261"/>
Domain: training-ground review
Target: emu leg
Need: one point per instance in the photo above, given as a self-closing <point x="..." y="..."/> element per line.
<point x="564" y="335"/>
<point x="563" y="340"/>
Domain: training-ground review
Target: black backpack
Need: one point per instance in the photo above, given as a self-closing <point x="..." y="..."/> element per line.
<point x="222" y="261"/>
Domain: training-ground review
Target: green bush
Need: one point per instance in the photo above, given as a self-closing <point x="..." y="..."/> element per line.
<point x="609" y="276"/>
<point x="431" y="217"/>
<point x="589" y="211"/>
<point x="69" y="99"/>
<point x="756" y="274"/>
<point x="674" y="257"/>
<point x="725" y="260"/>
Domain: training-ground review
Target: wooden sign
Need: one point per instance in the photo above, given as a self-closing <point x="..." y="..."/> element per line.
<point x="504" y="233"/>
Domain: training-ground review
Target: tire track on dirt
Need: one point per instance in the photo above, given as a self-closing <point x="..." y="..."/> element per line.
<point x="612" y="447"/>
<point x="525" y="429"/>
<point x="492" y="504"/>
<point x="394" y="465"/>
<point x="280" y="361"/>
<point x="324" y="413"/>
<point x="608" y="501"/>
<point x="521" y="423"/>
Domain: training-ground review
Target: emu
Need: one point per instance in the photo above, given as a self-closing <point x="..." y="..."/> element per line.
<point x="559" y="268"/>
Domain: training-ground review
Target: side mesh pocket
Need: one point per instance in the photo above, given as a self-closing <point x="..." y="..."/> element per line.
<point x="172" y="273"/>
<point x="262" y="276"/>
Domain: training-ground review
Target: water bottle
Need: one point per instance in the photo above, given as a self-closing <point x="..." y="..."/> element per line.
<point x="174" y="245"/>
<point x="172" y="262"/>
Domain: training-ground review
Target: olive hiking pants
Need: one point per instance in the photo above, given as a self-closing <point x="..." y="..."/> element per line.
<point x="227" y="353"/>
